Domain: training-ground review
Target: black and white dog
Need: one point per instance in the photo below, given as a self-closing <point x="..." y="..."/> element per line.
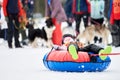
<point x="45" y="33"/>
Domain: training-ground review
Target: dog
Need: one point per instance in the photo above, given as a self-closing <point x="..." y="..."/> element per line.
<point x="45" y="33"/>
<point x="99" y="35"/>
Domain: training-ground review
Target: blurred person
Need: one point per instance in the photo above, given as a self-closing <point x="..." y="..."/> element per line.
<point x="12" y="20"/>
<point x="23" y="22"/>
<point x="54" y="10"/>
<point x="22" y="27"/>
<point x="3" y="23"/>
<point x="97" y="11"/>
<point x="68" y="11"/>
<point x="80" y="9"/>
<point x="31" y="8"/>
<point x="114" y="12"/>
<point x="25" y="4"/>
<point x="106" y="10"/>
<point x="114" y="16"/>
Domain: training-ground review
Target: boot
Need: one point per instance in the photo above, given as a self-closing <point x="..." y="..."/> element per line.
<point x="17" y="44"/>
<point x="10" y="45"/>
<point x="107" y="50"/>
<point x="73" y="51"/>
<point x="115" y="40"/>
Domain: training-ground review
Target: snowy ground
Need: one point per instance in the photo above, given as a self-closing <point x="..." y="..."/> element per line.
<point x="26" y="64"/>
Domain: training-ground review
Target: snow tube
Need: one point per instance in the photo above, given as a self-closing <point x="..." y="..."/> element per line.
<point x="62" y="61"/>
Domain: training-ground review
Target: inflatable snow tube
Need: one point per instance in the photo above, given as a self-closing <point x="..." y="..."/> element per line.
<point x="62" y="61"/>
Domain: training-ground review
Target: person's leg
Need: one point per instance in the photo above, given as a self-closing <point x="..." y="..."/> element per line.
<point x="91" y="48"/>
<point x="1" y="33"/>
<point x="119" y="32"/>
<point x="16" y="31"/>
<point x="73" y="49"/>
<point x="16" y="38"/>
<point x="5" y="34"/>
<point x="24" y="36"/>
<point x="10" y="31"/>
<point x="97" y="50"/>
<point x="57" y="34"/>
<point x="116" y="34"/>
<point x="85" y="19"/>
<point x="78" y="21"/>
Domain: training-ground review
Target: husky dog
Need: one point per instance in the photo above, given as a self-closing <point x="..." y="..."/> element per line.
<point x="45" y="33"/>
<point x="96" y="35"/>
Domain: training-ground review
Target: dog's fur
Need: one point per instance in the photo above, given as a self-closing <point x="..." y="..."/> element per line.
<point x="95" y="35"/>
<point x="45" y="33"/>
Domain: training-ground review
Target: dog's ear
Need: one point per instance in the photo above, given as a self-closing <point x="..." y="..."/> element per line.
<point x="49" y="22"/>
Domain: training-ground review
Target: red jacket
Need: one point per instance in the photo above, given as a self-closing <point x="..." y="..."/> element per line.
<point x="114" y="11"/>
<point x="5" y="7"/>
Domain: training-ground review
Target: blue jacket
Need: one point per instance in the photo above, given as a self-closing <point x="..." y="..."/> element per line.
<point x="79" y="6"/>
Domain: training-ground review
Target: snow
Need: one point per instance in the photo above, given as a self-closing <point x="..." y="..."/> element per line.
<point x="26" y="64"/>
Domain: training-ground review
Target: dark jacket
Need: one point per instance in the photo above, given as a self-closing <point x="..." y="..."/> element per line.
<point x="79" y="6"/>
<point x="12" y="7"/>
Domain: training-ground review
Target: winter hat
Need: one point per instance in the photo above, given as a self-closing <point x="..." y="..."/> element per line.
<point x="67" y="38"/>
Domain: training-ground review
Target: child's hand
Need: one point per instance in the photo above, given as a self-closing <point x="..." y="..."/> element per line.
<point x="80" y="45"/>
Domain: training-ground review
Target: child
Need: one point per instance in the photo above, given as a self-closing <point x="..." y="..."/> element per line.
<point x="73" y="47"/>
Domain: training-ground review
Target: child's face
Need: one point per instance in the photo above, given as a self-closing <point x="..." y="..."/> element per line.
<point x="68" y="40"/>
